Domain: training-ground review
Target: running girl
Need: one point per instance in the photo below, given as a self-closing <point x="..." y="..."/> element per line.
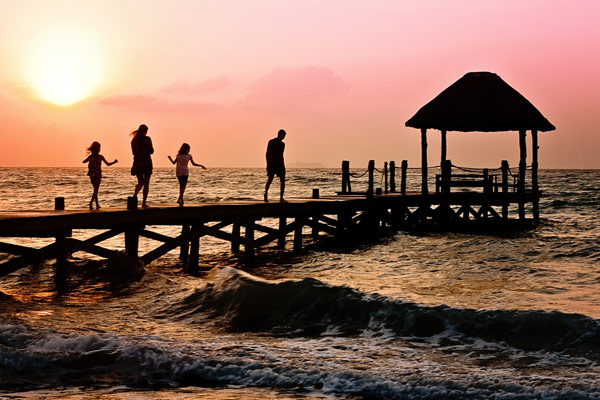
<point x="94" y="160"/>
<point x="181" y="170"/>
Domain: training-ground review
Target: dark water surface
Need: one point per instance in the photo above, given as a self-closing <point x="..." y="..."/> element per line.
<point x="433" y="316"/>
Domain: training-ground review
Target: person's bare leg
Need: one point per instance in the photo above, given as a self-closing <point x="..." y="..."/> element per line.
<point x="182" y="187"/>
<point x="269" y="180"/>
<point x="146" y="190"/>
<point x="281" y="188"/>
<point x="140" y="185"/>
<point x="95" y="195"/>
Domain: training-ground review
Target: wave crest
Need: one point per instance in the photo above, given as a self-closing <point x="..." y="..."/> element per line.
<point x="241" y="302"/>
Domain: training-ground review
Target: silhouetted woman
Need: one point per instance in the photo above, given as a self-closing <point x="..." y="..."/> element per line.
<point x="141" y="147"/>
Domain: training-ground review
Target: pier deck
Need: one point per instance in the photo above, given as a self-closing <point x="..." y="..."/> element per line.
<point x="242" y="223"/>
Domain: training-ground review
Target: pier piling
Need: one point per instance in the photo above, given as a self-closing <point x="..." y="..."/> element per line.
<point x="59" y="203"/>
<point x="404" y="167"/>
<point x="393" y="176"/>
<point x="185" y="246"/>
<point x="371" y="170"/>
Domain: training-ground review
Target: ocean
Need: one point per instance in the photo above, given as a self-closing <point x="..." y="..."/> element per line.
<point x="403" y="316"/>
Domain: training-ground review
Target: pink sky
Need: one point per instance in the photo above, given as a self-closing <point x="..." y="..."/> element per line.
<point x="341" y="76"/>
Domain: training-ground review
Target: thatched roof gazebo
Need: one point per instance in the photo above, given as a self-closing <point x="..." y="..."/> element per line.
<point x="482" y="102"/>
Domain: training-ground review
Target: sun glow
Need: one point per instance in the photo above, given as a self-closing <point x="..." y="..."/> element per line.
<point x="65" y="67"/>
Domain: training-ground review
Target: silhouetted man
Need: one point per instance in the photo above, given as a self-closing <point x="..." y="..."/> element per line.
<point x="275" y="164"/>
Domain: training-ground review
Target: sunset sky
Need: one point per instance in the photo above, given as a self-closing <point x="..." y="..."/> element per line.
<point x="341" y="76"/>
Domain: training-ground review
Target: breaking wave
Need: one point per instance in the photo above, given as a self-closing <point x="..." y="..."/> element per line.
<point x="241" y="302"/>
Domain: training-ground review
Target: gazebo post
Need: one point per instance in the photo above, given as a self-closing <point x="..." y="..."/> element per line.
<point x="443" y="160"/>
<point x="522" y="169"/>
<point x="424" y="189"/>
<point x="534" y="175"/>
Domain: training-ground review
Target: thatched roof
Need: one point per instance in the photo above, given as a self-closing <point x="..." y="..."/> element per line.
<point x="480" y="101"/>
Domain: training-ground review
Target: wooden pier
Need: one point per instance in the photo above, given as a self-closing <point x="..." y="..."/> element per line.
<point x="250" y="225"/>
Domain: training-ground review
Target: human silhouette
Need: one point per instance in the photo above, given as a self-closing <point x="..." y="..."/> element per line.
<point x="181" y="170"/>
<point x="275" y="164"/>
<point x="94" y="160"/>
<point x="141" y="147"/>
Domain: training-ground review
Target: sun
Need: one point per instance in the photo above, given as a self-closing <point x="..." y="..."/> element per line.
<point x="64" y="67"/>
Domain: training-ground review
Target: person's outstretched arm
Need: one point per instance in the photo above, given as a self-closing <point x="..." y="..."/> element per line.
<point x="109" y="163"/>
<point x="172" y="161"/>
<point x="195" y="164"/>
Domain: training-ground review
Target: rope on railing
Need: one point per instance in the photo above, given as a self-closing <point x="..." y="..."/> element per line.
<point x="471" y="169"/>
<point x="419" y="168"/>
<point x="516" y="170"/>
<point x="355" y="175"/>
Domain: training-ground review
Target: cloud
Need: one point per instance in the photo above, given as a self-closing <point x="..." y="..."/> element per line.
<point x="292" y="88"/>
<point x="197" y="88"/>
<point x="149" y="103"/>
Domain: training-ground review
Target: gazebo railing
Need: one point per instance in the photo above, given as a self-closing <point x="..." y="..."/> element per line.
<point x="391" y="180"/>
<point x="491" y="180"/>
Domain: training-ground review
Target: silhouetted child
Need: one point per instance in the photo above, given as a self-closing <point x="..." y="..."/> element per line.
<point x="181" y="170"/>
<point x="94" y="160"/>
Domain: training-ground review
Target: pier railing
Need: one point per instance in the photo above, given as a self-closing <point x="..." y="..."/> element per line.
<point x="391" y="179"/>
<point x="372" y="180"/>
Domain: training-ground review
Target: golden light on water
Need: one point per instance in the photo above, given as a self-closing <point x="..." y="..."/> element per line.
<point x="65" y="67"/>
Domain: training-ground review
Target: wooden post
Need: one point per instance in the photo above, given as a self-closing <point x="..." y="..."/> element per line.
<point x="424" y="189"/>
<point x="445" y="200"/>
<point x="132" y="241"/>
<point x="132" y="203"/>
<point x="315" y="218"/>
<point x="185" y="246"/>
<point x="298" y="235"/>
<point x="371" y="169"/>
<point x="235" y="232"/>
<point x="504" y="167"/>
<point x="342" y="223"/>
<point x="194" y="254"/>
<point x="393" y="176"/>
<point x="487" y="189"/>
<point x="315" y="226"/>
<point x="396" y="216"/>
<point x="385" y="173"/>
<point x="534" y="175"/>
<point x="249" y="247"/>
<point x="403" y="177"/>
<point x="522" y="170"/>
<point x="60" y="276"/>
<point x="346" y="177"/>
<point x="446" y="176"/>
<point x="443" y="148"/>
<point x="59" y="203"/>
<point x="281" y="238"/>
